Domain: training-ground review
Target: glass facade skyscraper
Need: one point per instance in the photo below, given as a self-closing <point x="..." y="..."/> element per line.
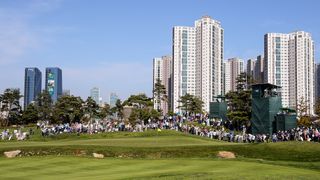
<point x="32" y="85"/>
<point x="54" y="82"/>
<point x="113" y="99"/>
<point x="95" y="95"/>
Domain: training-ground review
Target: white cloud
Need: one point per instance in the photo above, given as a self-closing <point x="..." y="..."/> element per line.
<point x="17" y="36"/>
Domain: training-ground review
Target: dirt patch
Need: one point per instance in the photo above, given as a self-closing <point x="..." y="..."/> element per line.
<point x="226" y="155"/>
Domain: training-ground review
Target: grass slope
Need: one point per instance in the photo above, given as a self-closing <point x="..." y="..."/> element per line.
<point x="156" y="155"/>
<point x="165" y="144"/>
<point x="87" y="168"/>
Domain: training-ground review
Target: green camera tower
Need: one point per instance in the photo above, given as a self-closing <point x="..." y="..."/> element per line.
<point x="218" y="108"/>
<point x="266" y="103"/>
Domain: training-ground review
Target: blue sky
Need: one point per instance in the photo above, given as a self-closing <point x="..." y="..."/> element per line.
<point x="110" y="44"/>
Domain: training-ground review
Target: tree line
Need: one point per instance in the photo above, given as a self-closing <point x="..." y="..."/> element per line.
<point x="67" y="109"/>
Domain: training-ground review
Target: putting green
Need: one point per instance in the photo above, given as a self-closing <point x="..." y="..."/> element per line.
<point x="67" y="167"/>
<point x="161" y="141"/>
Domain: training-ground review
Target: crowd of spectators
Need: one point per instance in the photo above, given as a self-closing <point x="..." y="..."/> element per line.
<point x="214" y="129"/>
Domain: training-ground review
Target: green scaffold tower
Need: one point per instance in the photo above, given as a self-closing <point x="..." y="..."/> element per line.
<point x="266" y="103"/>
<point x="218" y="108"/>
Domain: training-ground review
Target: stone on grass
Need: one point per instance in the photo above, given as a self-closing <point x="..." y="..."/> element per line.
<point x="99" y="156"/>
<point x="12" y="154"/>
<point x="226" y="154"/>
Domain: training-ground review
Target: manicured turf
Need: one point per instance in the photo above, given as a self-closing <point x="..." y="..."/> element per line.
<point x="165" y="144"/>
<point x="152" y="154"/>
<point x="88" y="168"/>
<point x="160" y="141"/>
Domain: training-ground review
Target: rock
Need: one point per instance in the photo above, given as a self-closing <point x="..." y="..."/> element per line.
<point x="226" y="155"/>
<point x="99" y="156"/>
<point x="12" y="154"/>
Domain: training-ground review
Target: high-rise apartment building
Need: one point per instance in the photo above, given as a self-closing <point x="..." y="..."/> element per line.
<point x="233" y="68"/>
<point x="113" y="99"/>
<point x="183" y="64"/>
<point x="258" y="75"/>
<point x="32" y="85"/>
<point x="251" y="64"/>
<point x="317" y="82"/>
<point x="54" y="82"/>
<point x="289" y="63"/>
<point x="255" y="69"/>
<point x="197" y="61"/>
<point x="162" y="70"/>
<point x="277" y="63"/>
<point x="95" y="95"/>
<point x="209" y="59"/>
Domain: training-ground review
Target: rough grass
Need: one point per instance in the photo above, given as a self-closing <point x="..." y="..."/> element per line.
<point x="88" y="168"/>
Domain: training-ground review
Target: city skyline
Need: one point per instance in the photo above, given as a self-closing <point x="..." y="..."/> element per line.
<point x="39" y="37"/>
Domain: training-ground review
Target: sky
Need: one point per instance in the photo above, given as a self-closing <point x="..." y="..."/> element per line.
<point x="111" y="44"/>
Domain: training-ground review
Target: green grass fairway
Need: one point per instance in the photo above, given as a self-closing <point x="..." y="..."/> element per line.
<point x="88" y="168"/>
<point x="156" y="155"/>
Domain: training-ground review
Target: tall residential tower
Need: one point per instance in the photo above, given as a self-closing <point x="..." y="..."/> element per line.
<point x="209" y="59"/>
<point x="32" y="85"/>
<point x="289" y="63"/>
<point x="233" y="68"/>
<point x="197" y="61"/>
<point x="183" y="64"/>
<point x="162" y="70"/>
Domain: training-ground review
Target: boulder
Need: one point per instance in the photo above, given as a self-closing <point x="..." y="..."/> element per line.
<point x="99" y="156"/>
<point x="226" y="155"/>
<point x="12" y="154"/>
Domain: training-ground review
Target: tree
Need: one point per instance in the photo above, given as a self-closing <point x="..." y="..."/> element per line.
<point x="30" y="114"/>
<point x="239" y="103"/>
<point x="142" y="108"/>
<point x="185" y="103"/>
<point x="160" y="94"/>
<point x="44" y="106"/>
<point x="104" y="111"/>
<point x="91" y="108"/>
<point x="139" y="101"/>
<point x="303" y="115"/>
<point x="134" y="116"/>
<point x="68" y="109"/>
<point x="119" y="109"/>
<point x="191" y="104"/>
<point x="11" y="109"/>
<point x="154" y="114"/>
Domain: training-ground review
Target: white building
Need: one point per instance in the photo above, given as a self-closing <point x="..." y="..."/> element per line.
<point x="95" y="95"/>
<point x="162" y="71"/>
<point x="233" y="68"/>
<point x="197" y="61"/>
<point x="289" y="63"/>
<point x="209" y="59"/>
<point x="183" y="62"/>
